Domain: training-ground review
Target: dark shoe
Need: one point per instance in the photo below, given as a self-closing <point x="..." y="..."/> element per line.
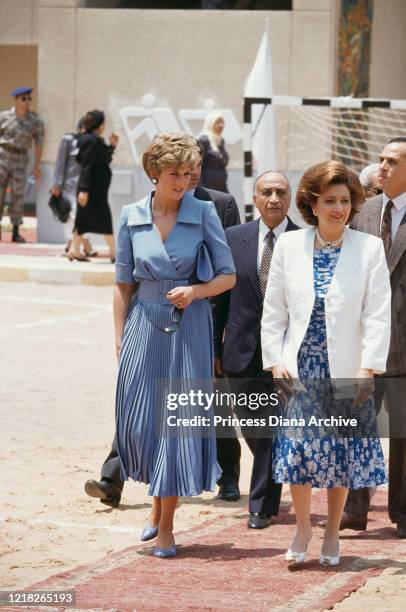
<point x="259" y="521"/>
<point x="106" y="491"/>
<point x="401" y="530"/>
<point x="16" y="235"/>
<point x="356" y="522"/>
<point x="229" y="491"/>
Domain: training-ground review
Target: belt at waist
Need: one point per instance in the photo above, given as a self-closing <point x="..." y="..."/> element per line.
<point x="12" y="149"/>
<point x="155" y="291"/>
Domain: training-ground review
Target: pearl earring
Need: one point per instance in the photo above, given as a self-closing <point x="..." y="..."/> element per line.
<point x="154" y="181"/>
<point x="314" y="214"/>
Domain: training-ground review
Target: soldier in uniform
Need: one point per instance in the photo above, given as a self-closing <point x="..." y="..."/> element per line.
<point x="18" y="128"/>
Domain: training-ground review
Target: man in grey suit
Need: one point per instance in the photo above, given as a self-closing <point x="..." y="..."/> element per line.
<point x="385" y="216"/>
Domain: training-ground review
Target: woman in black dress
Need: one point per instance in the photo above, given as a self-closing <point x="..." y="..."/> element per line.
<point x="215" y="156"/>
<point x="94" y="157"/>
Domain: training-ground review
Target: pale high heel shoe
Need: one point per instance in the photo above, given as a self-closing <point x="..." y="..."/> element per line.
<point x="296" y="558"/>
<point x="327" y="560"/>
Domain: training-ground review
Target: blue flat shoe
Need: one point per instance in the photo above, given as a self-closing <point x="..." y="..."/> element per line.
<point x="165" y="552"/>
<point x="148" y="533"/>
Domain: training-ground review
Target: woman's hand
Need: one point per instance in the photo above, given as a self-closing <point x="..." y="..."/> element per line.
<point x="279" y="371"/>
<point x="83" y="198"/>
<point x="114" y="138"/>
<point x="181" y="297"/>
<point x="365" y="386"/>
<point x="282" y="380"/>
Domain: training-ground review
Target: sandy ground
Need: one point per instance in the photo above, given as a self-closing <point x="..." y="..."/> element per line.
<point x="57" y="411"/>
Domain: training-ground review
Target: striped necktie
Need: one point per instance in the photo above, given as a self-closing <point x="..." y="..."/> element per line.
<point x="386" y="227"/>
<point x="266" y="261"/>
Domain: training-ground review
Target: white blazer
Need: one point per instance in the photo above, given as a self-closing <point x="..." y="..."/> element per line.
<point x="357" y="304"/>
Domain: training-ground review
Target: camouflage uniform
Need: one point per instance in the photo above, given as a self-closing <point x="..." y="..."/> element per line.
<point x="16" y="136"/>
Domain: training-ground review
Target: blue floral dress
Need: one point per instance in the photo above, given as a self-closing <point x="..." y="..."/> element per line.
<point x="325" y="462"/>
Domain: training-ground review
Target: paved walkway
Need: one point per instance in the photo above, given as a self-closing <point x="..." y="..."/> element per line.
<point x="221" y="565"/>
<point x="46" y="263"/>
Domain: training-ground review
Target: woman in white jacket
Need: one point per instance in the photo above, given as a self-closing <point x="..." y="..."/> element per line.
<point x="327" y="317"/>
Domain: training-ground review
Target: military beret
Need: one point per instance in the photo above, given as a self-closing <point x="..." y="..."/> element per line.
<point x="20" y="91"/>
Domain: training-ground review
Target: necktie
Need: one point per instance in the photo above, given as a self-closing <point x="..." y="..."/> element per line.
<point x="266" y="261"/>
<point x="386" y="226"/>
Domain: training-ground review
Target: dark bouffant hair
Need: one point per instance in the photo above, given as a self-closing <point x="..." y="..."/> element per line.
<point x="317" y="179"/>
<point x="93" y="120"/>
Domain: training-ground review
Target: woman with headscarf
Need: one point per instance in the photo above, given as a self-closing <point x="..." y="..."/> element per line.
<point x="93" y="213"/>
<point x="215" y="156"/>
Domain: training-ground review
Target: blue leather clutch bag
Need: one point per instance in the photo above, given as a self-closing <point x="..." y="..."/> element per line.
<point x="204" y="268"/>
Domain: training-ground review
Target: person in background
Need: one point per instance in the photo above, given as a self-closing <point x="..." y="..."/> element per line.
<point x="93" y="212"/>
<point x="369" y="179"/>
<point x="385" y="216"/>
<point x="66" y="177"/>
<point x="215" y="156"/>
<point x="19" y="126"/>
<point x="327" y="318"/>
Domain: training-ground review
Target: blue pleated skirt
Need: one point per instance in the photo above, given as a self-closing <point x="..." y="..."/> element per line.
<point x="152" y="364"/>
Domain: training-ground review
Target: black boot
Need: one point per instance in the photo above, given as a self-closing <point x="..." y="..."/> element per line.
<point x="16" y="235"/>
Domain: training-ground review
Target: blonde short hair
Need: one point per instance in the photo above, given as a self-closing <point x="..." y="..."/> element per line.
<point x="170" y="151"/>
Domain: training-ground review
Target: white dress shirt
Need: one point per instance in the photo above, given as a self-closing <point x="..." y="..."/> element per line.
<point x="263" y="232"/>
<point x="398" y="211"/>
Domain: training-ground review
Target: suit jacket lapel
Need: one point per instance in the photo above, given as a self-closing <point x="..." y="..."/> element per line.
<point x="398" y="246"/>
<point x="250" y="255"/>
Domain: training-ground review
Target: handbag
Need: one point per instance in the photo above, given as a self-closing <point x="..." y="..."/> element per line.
<point x="204" y="267"/>
<point x="61" y="207"/>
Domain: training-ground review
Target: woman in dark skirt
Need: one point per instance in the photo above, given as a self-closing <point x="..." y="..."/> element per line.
<point x="215" y="156"/>
<point x="93" y="213"/>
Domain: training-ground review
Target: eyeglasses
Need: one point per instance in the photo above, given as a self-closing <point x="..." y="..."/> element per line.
<point x="26" y="98"/>
<point x="177" y="315"/>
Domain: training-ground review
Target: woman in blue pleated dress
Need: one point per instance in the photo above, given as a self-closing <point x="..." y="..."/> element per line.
<point x="171" y="255"/>
<point x="326" y="322"/>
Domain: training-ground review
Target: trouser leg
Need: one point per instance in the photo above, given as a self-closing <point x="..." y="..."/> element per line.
<point x="395" y="396"/>
<point x="17" y="184"/>
<point x="111" y="466"/>
<point x="397" y="480"/>
<point x="228" y="457"/>
<point x="265" y="493"/>
<point x="4" y="179"/>
<point x="264" y="496"/>
<point x="357" y="501"/>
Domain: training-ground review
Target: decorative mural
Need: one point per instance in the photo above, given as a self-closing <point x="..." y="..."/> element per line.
<point x="355" y="47"/>
<point x="354" y="54"/>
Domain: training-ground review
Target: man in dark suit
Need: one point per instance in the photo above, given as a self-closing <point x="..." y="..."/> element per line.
<point x="237" y="323"/>
<point x="109" y="488"/>
<point x="385" y="216"/>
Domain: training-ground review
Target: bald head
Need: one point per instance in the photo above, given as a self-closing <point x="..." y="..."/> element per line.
<point x="272" y="197"/>
<point x="271" y="174"/>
